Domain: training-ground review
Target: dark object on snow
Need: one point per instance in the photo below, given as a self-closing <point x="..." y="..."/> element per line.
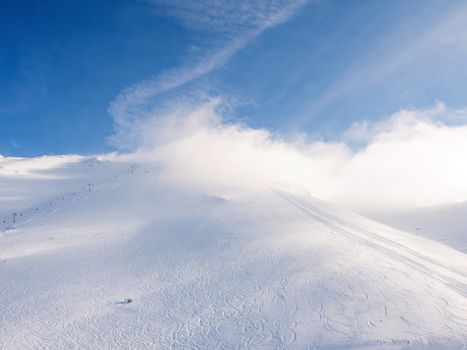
<point x="124" y="301"/>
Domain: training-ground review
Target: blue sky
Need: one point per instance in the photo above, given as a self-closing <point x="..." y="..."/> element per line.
<point x="72" y="72"/>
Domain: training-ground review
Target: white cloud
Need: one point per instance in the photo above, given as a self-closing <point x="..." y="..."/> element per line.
<point x="363" y="132"/>
<point x="412" y="159"/>
<point x="230" y="17"/>
<point x="243" y="21"/>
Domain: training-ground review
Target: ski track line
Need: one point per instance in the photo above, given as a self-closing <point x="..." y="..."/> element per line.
<point x="379" y="238"/>
<point x="375" y="243"/>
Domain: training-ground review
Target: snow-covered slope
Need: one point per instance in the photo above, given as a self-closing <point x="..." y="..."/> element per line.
<point x="444" y="223"/>
<point x="129" y="262"/>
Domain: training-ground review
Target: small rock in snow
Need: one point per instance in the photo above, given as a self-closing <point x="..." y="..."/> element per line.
<point x="124" y="301"/>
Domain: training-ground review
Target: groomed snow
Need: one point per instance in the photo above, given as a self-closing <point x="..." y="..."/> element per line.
<point x="104" y="254"/>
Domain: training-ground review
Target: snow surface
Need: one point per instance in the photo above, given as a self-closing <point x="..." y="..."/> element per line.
<point x="129" y="262"/>
<point x="444" y="223"/>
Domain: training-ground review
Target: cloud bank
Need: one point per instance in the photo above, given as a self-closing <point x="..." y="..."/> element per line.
<point x="413" y="158"/>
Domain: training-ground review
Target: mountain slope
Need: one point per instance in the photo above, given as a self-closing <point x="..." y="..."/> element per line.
<point x="443" y="223"/>
<point x="264" y="269"/>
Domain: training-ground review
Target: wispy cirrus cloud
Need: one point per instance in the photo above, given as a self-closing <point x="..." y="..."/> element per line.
<point x="228" y="17"/>
<point x="417" y="52"/>
<point x="237" y="24"/>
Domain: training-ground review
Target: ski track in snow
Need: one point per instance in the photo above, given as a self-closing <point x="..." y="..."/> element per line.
<point x="276" y="271"/>
<point x="435" y="269"/>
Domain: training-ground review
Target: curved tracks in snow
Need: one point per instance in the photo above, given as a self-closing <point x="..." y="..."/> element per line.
<point x="209" y="282"/>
